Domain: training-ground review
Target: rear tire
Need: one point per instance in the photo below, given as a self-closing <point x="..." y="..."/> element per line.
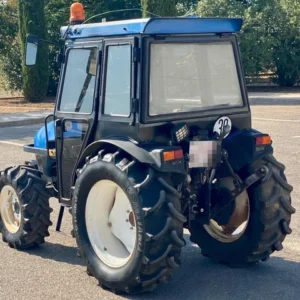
<point x="26" y="186"/>
<point x="159" y="232"/>
<point x="268" y="225"/>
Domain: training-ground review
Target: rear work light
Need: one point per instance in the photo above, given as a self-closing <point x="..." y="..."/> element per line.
<point x="172" y="155"/>
<point x="263" y="140"/>
<point x="180" y="133"/>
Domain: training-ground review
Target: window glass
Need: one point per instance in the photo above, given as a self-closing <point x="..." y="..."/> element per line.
<point x="79" y="82"/>
<point x="118" y="81"/>
<point x="189" y="77"/>
<point x="74" y="134"/>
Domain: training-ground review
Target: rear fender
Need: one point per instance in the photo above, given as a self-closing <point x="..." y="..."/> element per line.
<point x="149" y="154"/>
<point x="242" y="150"/>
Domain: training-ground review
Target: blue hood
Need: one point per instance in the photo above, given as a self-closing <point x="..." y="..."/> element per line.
<point x="40" y="137"/>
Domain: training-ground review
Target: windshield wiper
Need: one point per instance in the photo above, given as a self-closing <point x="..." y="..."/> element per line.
<point x="83" y="92"/>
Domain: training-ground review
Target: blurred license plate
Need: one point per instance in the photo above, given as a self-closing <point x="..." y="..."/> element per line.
<point x="204" y="154"/>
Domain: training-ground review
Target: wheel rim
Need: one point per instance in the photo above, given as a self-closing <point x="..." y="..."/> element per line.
<point x="238" y="221"/>
<point x="110" y="223"/>
<point x="10" y="209"/>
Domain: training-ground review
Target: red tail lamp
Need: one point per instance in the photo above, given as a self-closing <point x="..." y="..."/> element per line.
<point x="172" y="155"/>
<point x="77" y="13"/>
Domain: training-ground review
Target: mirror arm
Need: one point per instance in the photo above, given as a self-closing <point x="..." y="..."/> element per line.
<point x="51" y="43"/>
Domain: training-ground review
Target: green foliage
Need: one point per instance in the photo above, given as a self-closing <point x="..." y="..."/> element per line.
<point x="186" y="6"/>
<point x="166" y="8"/>
<point x="10" y="61"/>
<point x="270" y="38"/>
<point x="35" y="78"/>
<point x="58" y="14"/>
<point x="284" y="31"/>
<point x="270" y="35"/>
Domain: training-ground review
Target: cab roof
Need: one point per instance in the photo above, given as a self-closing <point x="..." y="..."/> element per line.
<point x="155" y="26"/>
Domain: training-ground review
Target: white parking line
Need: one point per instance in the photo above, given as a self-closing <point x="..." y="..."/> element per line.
<point x="278" y="120"/>
<point x="11" y="143"/>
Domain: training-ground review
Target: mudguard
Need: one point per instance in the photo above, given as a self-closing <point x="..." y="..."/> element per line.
<point x="242" y="150"/>
<point x="150" y="154"/>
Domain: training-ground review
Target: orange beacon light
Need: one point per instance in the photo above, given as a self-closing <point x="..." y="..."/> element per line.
<point x="77" y="13"/>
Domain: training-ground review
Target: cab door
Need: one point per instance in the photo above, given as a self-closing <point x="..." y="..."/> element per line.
<point x="76" y="109"/>
<point x="119" y="88"/>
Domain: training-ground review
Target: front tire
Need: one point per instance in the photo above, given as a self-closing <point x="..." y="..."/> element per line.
<point x="154" y="252"/>
<point x="268" y="223"/>
<point x="24" y="207"/>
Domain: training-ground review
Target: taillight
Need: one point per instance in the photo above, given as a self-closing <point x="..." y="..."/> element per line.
<point x="263" y="140"/>
<point x="172" y="155"/>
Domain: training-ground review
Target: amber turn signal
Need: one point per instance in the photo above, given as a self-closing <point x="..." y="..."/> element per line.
<point x="77" y="12"/>
<point x="263" y="140"/>
<point x="172" y="155"/>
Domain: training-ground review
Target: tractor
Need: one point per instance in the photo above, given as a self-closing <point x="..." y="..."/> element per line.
<point x="151" y="135"/>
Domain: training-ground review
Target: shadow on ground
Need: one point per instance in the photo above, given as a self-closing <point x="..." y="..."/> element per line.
<point x="57" y="252"/>
<point x="201" y="278"/>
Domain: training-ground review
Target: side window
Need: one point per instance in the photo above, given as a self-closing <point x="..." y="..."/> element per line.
<point x="79" y="81"/>
<point x="117" y="97"/>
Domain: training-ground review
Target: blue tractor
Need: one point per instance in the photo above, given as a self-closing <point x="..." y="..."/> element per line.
<point x="151" y="135"/>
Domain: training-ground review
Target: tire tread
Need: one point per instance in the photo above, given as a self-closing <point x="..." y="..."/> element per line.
<point x="36" y="211"/>
<point x="162" y="248"/>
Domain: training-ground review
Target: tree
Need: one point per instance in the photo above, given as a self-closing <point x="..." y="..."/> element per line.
<point x="35" y="78"/>
<point x="10" y="61"/>
<point x="270" y="39"/>
<point x="166" y="8"/>
<point x="58" y="14"/>
<point x="283" y="28"/>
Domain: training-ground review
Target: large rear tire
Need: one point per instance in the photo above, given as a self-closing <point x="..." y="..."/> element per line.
<point x="268" y="223"/>
<point x="24" y="207"/>
<point x="157" y="230"/>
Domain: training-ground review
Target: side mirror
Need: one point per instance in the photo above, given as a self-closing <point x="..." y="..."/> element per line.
<point x="31" y="49"/>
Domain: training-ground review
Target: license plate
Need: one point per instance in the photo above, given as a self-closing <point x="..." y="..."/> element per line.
<point x="204" y="154"/>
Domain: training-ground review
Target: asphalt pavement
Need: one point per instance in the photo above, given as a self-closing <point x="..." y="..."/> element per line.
<point x="54" y="271"/>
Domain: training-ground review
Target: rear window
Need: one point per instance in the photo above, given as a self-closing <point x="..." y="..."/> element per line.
<point x="188" y="77"/>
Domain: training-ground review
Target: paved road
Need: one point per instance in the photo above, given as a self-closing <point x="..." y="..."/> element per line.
<point x="55" y="272"/>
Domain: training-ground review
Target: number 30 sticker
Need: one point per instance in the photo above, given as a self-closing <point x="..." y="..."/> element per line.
<point x="221" y="124"/>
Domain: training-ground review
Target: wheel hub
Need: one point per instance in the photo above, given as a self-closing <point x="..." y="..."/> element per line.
<point x="131" y="219"/>
<point x="110" y="223"/>
<point x="10" y="209"/>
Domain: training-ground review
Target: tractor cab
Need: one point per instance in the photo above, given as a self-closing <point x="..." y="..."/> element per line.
<point x="144" y="80"/>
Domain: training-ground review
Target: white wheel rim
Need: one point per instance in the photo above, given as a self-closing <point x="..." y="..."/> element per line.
<point x="10" y="209"/>
<point x="242" y="208"/>
<point x="110" y="223"/>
